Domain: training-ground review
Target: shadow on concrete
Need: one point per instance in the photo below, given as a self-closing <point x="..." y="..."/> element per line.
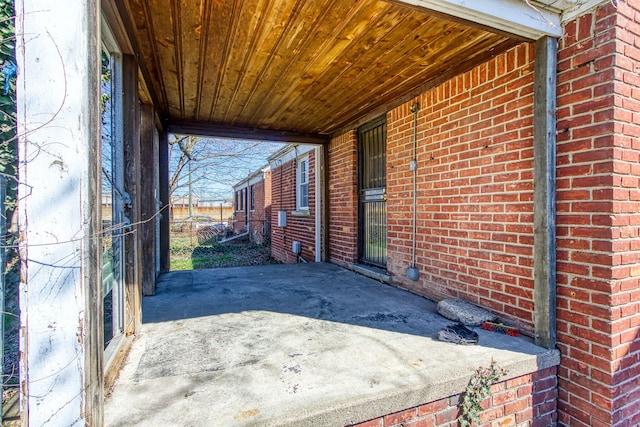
<point x="318" y="291"/>
<point x="305" y="344"/>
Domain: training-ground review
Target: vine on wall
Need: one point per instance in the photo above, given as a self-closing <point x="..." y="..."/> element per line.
<point x="477" y="390"/>
<point x="8" y="169"/>
<point x="8" y="150"/>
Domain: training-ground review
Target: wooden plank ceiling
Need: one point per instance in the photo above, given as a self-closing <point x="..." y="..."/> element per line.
<point x="303" y="66"/>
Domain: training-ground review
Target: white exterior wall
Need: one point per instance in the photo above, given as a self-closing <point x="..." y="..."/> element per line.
<point x="58" y="124"/>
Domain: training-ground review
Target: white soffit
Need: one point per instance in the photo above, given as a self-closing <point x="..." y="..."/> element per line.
<point x="531" y="20"/>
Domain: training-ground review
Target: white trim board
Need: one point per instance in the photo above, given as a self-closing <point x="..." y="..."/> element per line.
<point x="581" y="7"/>
<point x="512" y="16"/>
<point x="289" y="153"/>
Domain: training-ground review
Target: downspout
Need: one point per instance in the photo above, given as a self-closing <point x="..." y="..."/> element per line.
<point x="412" y="272"/>
<point x="247" y="206"/>
<point x="281" y="215"/>
<point x="279" y="161"/>
<point x="295" y="195"/>
<point x="318" y="203"/>
<point x="237" y="236"/>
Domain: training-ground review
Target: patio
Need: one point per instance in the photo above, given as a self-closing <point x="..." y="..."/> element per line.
<point x="305" y="344"/>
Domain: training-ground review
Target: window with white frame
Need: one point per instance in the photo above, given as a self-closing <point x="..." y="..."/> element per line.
<point x="302" y="187"/>
<point x="240" y="200"/>
<point x="244" y="199"/>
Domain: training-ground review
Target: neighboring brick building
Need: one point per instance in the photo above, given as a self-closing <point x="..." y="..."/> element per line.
<point x="294" y="216"/>
<point x="252" y="207"/>
<point x="279" y="203"/>
<point x="474" y="221"/>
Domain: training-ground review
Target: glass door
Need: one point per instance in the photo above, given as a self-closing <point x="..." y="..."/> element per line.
<point x="112" y="199"/>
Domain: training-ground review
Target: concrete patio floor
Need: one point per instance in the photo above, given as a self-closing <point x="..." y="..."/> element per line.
<point x="296" y="345"/>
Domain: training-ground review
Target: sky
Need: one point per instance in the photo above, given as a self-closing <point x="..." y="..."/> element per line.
<point x="218" y="164"/>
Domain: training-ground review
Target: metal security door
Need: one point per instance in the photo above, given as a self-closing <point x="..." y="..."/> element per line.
<point x="372" y="153"/>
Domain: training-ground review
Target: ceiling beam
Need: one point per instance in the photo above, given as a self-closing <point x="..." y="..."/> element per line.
<point x="254" y="134"/>
<point x="522" y="18"/>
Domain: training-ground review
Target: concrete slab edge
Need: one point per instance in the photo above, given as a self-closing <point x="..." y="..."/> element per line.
<point x="378" y="406"/>
<point x="385" y="278"/>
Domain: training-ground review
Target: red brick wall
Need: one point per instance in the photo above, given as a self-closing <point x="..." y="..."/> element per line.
<point x="527" y="400"/>
<point x="299" y="228"/>
<point x="599" y="218"/>
<point x="475" y="210"/>
<point x="625" y="274"/>
<point x="475" y="188"/>
<point x="343" y="199"/>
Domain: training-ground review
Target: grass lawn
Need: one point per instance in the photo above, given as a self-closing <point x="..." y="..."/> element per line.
<point x="188" y="254"/>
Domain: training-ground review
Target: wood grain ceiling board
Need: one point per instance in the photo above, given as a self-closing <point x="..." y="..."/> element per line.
<point x="308" y="66"/>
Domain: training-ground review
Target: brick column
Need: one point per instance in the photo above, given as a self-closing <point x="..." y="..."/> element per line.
<point x="598" y="218"/>
<point x="343" y="194"/>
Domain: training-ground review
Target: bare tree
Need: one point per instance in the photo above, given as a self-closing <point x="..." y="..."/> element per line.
<point x="211" y="166"/>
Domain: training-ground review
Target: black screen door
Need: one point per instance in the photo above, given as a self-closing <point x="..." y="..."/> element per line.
<point x="372" y="158"/>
